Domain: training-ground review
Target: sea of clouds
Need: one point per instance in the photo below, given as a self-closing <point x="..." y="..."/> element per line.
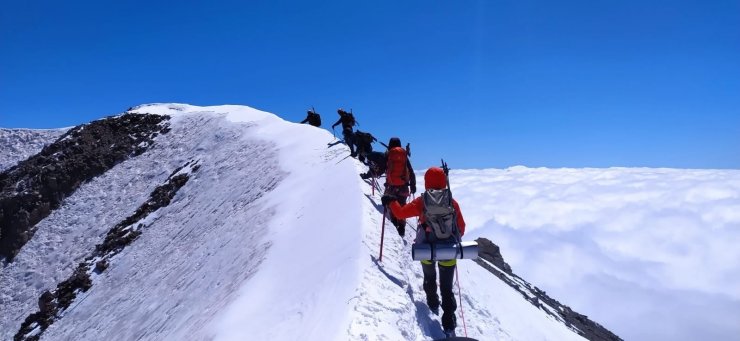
<point x="653" y="254"/>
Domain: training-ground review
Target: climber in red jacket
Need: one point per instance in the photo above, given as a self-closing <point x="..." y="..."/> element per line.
<point x="400" y="180"/>
<point x="434" y="179"/>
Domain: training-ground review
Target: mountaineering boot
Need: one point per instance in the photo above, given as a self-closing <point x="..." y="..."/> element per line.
<point x="434" y="310"/>
<point x="449" y="333"/>
<point x="401" y="227"/>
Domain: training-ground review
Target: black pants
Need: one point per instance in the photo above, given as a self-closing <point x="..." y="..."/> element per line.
<point x="349" y="139"/>
<point x="402" y="194"/>
<point x="449" y="305"/>
<point x="363" y="150"/>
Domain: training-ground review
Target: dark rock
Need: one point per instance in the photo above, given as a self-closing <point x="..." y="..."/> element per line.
<point x="46" y="303"/>
<point x="492" y="253"/>
<point x="101" y="265"/>
<point x="67" y="290"/>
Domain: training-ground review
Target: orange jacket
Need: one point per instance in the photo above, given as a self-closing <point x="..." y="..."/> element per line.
<point x="416" y="209"/>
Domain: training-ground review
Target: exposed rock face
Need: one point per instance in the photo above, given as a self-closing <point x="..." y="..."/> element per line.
<point x="490" y="258"/>
<point x="492" y="253"/>
<point x="51" y="303"/>
<point x="33" y="188"/>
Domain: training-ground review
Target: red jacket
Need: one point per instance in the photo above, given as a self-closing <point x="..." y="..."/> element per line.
<point x="416" y="209"/>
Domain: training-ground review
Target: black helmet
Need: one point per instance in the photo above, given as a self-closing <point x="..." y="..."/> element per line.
<point x="394" y="142"/>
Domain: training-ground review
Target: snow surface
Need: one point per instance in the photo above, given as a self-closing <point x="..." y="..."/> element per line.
<point x="652" y="254"/>
<point x="273" y="238"/>
<point x="18" y="144"/>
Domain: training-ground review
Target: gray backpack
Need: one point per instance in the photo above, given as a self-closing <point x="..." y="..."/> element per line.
<point x="439" y="214"/>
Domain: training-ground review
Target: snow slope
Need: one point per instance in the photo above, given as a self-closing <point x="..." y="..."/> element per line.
<point x="650" y="253"/>
<point x="19" y="144"/>
<point x="273" y="238"/>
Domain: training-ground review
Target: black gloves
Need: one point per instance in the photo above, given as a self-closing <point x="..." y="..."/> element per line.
<point x="413" y="188"/>
<point x="387" y="199"/>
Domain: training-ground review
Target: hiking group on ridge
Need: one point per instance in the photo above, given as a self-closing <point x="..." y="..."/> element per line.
<point x="440" y="218"/>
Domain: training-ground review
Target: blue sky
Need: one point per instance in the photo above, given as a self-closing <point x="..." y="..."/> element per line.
<point x="480" y="83"/>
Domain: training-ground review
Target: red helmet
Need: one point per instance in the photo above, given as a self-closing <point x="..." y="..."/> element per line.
<point x="435" y="178"/>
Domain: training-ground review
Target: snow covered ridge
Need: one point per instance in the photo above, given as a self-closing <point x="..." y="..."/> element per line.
<point x="33" y="188"/>
<point x="235" y="225"/>
<point x="241" y="219"/>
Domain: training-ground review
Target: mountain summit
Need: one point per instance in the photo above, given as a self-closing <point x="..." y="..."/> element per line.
<point x="178" y="222"/>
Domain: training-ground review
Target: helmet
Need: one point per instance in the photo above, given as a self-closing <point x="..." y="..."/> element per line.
<point x="394" y="142"/>
<point x="435" y="178"/>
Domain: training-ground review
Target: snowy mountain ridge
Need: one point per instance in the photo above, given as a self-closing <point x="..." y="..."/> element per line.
<point x="273" y="237"/>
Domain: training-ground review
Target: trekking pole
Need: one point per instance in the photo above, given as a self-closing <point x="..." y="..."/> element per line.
<point x="459" y="295"/>
<point x="382" y="233"/>
<point x="373" y="184"/>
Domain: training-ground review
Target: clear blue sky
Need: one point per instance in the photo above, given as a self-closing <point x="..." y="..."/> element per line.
<point x="480" y="83"/>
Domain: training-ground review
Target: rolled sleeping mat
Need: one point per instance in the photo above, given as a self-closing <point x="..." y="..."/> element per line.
<point x="444" y="251"/>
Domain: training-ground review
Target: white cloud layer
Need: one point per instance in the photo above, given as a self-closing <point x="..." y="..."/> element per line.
<point x="653" y="254"/>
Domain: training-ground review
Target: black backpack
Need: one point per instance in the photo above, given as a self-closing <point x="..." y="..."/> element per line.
<point x="364" y="138"/>
<point x="377" y="161"/>
<point x="314" y="119"/>
<point x="348" y="120"/>
<point x="439" y="215"/>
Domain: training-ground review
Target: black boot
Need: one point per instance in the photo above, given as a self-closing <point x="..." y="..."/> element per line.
<point x="401" y="228"/>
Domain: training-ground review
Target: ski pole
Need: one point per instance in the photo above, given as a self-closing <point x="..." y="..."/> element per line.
<point x="459" y="295"/>
<point x="382" y="233"/>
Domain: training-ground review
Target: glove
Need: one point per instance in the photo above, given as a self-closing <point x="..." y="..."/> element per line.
<point x="413" y="188"/>
<point x="387" y="199"/>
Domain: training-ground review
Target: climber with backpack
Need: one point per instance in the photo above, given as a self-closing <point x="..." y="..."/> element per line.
<point x="347" y="119"/>
<point x="399" y="177"/>
<point x="440" y="222"/>
<point x="376" y="163"/>
<point x="364" y="144"/>
<point x="313" y="118"/>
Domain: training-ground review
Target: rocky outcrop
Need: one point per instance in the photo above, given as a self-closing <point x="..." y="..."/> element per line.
<point x="492" y="253"/>
<point x="490" y="258"/>
<point x="30" y="190"/>
<point x="51" y="303"/>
